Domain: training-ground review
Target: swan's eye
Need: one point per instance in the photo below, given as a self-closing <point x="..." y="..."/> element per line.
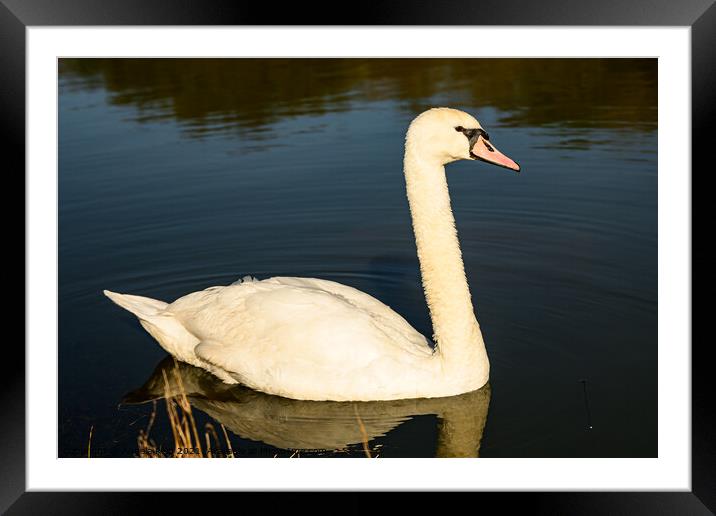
<point x="472" y="134"/>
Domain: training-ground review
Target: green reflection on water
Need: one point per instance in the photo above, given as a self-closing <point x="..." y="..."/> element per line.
<point x="219" y="95"/>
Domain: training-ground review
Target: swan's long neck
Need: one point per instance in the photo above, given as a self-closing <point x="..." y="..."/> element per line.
<point x="455" y="327"/>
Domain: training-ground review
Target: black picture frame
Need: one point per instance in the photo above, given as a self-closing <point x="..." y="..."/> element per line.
<point x="17" y="15"/>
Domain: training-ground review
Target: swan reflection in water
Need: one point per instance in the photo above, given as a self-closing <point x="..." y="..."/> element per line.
<point x="317" y="425"/>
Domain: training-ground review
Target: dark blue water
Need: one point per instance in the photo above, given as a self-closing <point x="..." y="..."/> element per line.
<point x="179" y="175"/>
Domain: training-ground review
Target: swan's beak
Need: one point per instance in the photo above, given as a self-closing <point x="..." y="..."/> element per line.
<point x="485" y="151"/>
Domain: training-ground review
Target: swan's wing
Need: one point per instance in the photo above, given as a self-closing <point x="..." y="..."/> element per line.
<point x="305" y="306"/>
<point x="275" y="334"/>
<point x="390" y="321"/>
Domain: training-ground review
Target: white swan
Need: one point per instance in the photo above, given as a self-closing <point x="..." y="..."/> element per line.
<point x="313" y="339"/>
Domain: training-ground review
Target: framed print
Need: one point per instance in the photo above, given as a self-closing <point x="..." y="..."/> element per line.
<point x="242" y="244"/>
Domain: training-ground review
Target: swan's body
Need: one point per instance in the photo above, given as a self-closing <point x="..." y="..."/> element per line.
<point x="313" y="339"/>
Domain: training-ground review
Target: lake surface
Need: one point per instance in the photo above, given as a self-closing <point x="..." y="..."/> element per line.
<point x="178" y="175"/>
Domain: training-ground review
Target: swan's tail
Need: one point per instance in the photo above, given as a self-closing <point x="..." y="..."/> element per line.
<point x="162" y="325"/>
<point x="143" y="307"/>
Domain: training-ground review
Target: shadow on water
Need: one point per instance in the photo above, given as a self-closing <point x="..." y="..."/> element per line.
<point x="228" y="95"/>
<point x="317" y="425"/>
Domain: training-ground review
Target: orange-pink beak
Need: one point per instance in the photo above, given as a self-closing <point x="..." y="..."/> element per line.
<point x="485" y="151"/>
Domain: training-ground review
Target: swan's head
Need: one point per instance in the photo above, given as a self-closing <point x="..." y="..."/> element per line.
<point x="446" y="135"/>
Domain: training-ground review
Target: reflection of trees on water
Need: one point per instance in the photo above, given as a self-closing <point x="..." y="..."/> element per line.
<point x="209" y="95"/>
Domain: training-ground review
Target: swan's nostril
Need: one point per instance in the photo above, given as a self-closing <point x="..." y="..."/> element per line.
<point x="489" y="147"/>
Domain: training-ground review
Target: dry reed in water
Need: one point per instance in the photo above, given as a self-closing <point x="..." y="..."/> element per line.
<point x="187" y="442"/>
<point x="363" y="432"/>
<point x="89" y="441"/>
